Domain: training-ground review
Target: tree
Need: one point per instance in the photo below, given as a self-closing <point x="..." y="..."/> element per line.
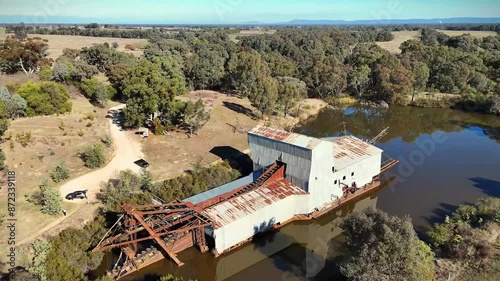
<point x="41" y="248"/>
<point x="244" y="70"/>
<point x="382" y="247"/>
<point x="205" y="68"/>
<point x="45" y="98"/>
<point x="15" y="105"/>
<point x="4" y="123"/>
<point x="326" y="79"/>
<point x="420" y="77"/>
<point x="95" y="91"/>
<point x="279" y="65"/>
<point x="128" y="187"/>
<point x="60" y="173"/>
<point x="359" y="79"/>
<point x="194" y="116"/>
<point x="264" y="95"/>
<point x="26" y="56"/>
<point x="51" y="199"/>
<point x="290" y="91"/>
<point x="69" y="257"/>
<point x="93" y="156"/>
<point x="47" y="197"/>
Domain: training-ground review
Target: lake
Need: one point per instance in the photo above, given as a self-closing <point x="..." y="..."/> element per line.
<point x="447" y="158"/>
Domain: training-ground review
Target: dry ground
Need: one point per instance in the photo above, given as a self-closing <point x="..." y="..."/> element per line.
<point x="402" y="36"/>
<point x="233" y="36"/>
<point x="59" y="42"/>
<point x="47" y="148"/>
<point x="479" y="34"/>
<point x="231" y="118"/>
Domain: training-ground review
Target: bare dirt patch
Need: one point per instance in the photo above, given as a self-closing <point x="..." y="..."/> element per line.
<point x="250" y="32"/>
<point x="59" y="42"/>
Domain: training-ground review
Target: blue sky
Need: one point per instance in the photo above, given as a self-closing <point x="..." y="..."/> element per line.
<point x="236" y="11"/>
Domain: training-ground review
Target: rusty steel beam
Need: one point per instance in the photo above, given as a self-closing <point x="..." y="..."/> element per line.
<point x="168" y="211"/>
<point x="156" y="237"/>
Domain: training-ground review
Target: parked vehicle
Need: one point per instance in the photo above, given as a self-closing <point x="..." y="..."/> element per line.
<point x="142" y="163"/>
<point x="80" y="194"/>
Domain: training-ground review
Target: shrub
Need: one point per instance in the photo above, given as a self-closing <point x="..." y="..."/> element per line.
<point x="129" y="47"/>
<point x="107" y="140"/>
<point x="2" y="160"/>
<point x="45" y="98"/>
<point x="383" y="247"/>
<point x="89" y="124"/>
<point x="24" y="138"/>
<point x="60" y="173"/>
<point x="45" y="73"/>
<point x="47" y="197"/>
<point x="40" y="248"/>
<point x="115" y="45"/>
<point x="81" y="133"/>
<point x="93" y="156"/>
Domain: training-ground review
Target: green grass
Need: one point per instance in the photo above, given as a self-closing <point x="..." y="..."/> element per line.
<point x="2" y="30"/>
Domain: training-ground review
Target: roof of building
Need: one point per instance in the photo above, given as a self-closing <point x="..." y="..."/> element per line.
<point x="349" y="150"/>
<point x="248" y="203"/>
<point x="214" y="192"/>
<point x="286" y="137"/>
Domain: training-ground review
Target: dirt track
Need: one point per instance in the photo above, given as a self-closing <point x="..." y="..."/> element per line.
<point x="127" y="151"/>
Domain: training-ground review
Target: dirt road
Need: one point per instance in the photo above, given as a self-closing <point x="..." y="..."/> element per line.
<point x="127" y="151"/>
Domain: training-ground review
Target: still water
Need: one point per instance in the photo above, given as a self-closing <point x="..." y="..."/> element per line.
<point x="447" y="158"/>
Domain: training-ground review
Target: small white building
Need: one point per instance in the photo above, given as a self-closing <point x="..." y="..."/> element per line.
<point x="316" y="170"/>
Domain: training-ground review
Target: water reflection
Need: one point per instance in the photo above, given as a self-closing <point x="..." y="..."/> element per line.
<point x="448" y="157"/>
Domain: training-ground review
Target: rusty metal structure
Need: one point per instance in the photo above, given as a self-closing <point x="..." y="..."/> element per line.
<point x="169" y="228"/>
<point x="302" y="178"/>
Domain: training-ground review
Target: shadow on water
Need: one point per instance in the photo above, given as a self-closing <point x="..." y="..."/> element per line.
<point x="237" y="159"/>
<point x="487" y="186"/>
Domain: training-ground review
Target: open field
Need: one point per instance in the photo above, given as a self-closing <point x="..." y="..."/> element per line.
<point x="2" y="31"/>
<point x="479" y="34"/>
<point x="48" y="146"/>
<point x="402" y="36"/>
<point x="399" y="37"/>
<point x="59" y="42"/>
<point x="224" y="134"/>
<point x="233" y="36"/>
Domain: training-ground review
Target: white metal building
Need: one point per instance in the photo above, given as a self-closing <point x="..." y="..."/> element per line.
<point x="316" y="171"/>
<point x="319" y="167"/>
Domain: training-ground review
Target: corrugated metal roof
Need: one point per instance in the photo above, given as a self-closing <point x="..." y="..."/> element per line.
<point x="349" y="150"/>
<point x="247" y="203"/>
<point x="214" y="192"/>
<point x="286" y="137"/>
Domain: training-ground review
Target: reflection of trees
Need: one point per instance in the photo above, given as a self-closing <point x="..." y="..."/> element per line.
<point x="407" y="123"/>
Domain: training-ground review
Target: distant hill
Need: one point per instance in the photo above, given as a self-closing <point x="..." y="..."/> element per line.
<point x="392" y="21"/>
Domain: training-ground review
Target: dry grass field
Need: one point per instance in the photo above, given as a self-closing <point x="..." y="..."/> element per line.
<point x="479" y="34"/>
<point x="48" y="146"/>
<point x="402" y="36"/>
<point x="399" y="37"/>
<point x="233" y="36"/>
<point x="59" y="42"/>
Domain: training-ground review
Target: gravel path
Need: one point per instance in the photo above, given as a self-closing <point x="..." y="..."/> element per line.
<point x="126" y="152"/>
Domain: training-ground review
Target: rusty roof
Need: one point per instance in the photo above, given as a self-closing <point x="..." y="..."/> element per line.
<point x="349" y="150"/>
<point x="286" y="137"/>
<point x="250" y="202"/>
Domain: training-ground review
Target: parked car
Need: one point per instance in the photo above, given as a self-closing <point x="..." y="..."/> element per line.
<point x="80" y="194"/>
<point x="142" y="163"/>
